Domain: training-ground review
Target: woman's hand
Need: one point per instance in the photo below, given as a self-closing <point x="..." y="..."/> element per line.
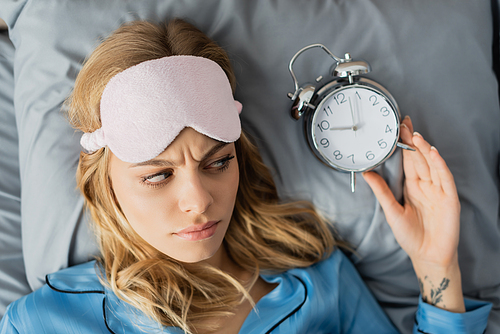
<point x="427" y="225"/>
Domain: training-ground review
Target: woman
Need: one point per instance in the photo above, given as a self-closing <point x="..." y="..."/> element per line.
<point x="193" y="237"/>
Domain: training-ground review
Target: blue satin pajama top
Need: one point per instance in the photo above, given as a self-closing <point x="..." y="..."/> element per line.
<point x="328" y="297"/>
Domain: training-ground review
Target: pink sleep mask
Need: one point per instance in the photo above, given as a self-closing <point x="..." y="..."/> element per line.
<point x="146" y="106"/>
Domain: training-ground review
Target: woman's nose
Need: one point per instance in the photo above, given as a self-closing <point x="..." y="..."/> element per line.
<point x="194" y="196"/>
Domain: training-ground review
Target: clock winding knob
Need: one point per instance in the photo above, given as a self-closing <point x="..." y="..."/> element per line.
<point x="348" y="67"/>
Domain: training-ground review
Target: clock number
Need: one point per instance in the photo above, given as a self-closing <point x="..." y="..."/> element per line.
<point x="382" y="144"/>
<point x="337" y="155"/>
<point x="324" y="125"/>
<point x="388" y="129"/>
<point x="384" y="111"/>
<point x="324" y="142"/>
<point x="374" y="100"/>
<point x="328" y="112"/>
<point x="340" y="98"/>
<point x="369" y="155"/>
<point x="357" y="94"/>
<point x="351" y="156"/>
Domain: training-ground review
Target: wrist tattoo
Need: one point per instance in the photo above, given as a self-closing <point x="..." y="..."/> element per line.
<point x="436" y="294"/>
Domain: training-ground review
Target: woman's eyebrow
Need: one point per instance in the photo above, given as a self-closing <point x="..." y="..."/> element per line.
<point x="154" y="163"/>
<point x="166" y="163"/>
<point x="214" y="150"/>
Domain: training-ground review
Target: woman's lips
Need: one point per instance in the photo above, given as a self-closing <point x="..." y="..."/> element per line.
<point x="198" y="232"/>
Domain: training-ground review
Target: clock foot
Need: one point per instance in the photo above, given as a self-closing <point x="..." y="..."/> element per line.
<point x="353" y="181"/>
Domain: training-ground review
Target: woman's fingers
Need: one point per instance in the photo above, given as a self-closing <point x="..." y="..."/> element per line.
<point x="418" y="165"/>
<point x="408" y="123"/>
<point x="415" y="165"/>
<point x="426" y="168"/>
<point x="391" y="207"/>
<point x="444" y="173"/>
<point x="406" y="137"/>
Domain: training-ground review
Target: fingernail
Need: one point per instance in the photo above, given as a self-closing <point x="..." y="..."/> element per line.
<point x="433" y="148"/>
<point x="407" y="117"/>
<point x="403" y="125"/>
<point x="417" y="134"/>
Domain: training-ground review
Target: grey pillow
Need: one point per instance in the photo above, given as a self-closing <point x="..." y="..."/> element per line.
<point x="433" y="56"/>
<point x="13" y="283"/>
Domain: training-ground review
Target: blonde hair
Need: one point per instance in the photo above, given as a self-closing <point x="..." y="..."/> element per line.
<point x="264" y="234"/>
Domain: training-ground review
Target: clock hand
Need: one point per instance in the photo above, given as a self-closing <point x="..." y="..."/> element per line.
<point x="356" y="108"/>
<point x="354" y="127"/>
<point x="345" y="128"/>
<point x="352" y="112"/>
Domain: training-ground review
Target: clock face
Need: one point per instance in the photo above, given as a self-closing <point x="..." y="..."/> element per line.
<point x="355" y="128"/>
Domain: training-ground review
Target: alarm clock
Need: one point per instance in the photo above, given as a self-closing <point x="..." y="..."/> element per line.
<point x="351" y="122"/>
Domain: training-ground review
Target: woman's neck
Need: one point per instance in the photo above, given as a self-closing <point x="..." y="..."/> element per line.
<point x="224" y="262"/>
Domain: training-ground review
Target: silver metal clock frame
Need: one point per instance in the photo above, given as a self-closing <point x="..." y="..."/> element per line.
<point x="346" y="70"/>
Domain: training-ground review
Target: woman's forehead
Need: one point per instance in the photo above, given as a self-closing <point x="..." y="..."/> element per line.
<point x="188" y="144"/>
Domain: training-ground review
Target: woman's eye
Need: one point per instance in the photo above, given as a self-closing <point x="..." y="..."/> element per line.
<point x="221" y="164"/>
<point x="156" y="178"/>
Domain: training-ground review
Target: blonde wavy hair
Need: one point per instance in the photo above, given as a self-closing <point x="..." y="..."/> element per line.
<point x="263" y="235"/>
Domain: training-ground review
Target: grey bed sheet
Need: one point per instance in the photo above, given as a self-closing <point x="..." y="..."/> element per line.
<point x="433" y="56"/>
